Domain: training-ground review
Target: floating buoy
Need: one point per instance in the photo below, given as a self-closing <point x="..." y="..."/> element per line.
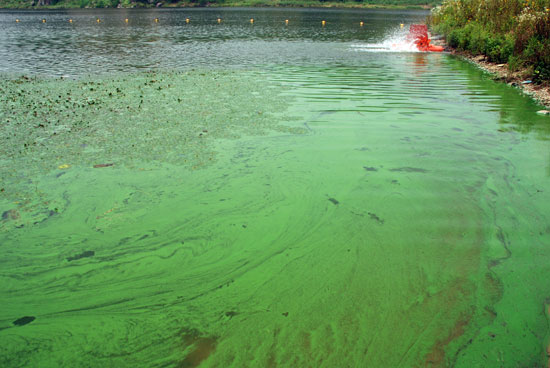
<point x="286" y="21"/>
<point x="70" y="20"/>
<point x="64" y="166"/>
<point x="156" y="20"/>
<point x="43" y="20"/>
<point x="361" y="24"/>
<point x="98" y="20"/>
<point x="126" y="20"/>
<point x="186" y="20"/>
<point x="219" y="20"/>
<point x="401" y="25"/>
<point x="251" y="20"/>
<point x="17" y="21"/>
<point x="323" y="22"/>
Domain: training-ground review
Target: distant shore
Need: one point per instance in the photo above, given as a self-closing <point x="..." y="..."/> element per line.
<point x="204" y="4"/>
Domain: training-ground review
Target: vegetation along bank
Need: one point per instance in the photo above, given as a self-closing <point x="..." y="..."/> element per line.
<point x="512" y="35"/>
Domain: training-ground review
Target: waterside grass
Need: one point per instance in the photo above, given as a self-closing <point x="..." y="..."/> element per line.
<point x="516" y="32"/>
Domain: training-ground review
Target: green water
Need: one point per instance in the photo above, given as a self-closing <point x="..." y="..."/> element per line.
<point x="387" y="211"/>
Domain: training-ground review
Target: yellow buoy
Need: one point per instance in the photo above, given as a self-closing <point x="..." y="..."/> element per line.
<point x="156" y="20"/>
<point x="70" y="20"/>
<point x="402" y="25"/>
<point x="64" y="166"/>
<point x="98" y="20"/>
<point x="361" y="24"/>
<point x="17" y="21"/>
<point x="186" y="20"/>
<point x="286" y="21"/>
<point x="43" y="20"/>
<point x="126" y="20"/>
<point x="219" y="20"/>
<point x="323" y="22"/>
<point x="251" y="20"/>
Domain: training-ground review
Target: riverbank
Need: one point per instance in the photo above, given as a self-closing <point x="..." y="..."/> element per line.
<point x="509" y="38"/>
<point x="501" y="72"/>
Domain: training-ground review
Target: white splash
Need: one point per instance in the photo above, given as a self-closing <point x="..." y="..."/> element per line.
<point x="394" y="42"/>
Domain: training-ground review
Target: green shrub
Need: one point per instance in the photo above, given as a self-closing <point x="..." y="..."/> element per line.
<point x="492" y="50"/>
<point x="507" y="50"/>
<point x="478" y="40"/>
<point x="538" y="53"/>
<point x="514" y="63"/>
<point x="541" y="73"/>
<point x="458" y="38"/>
<point x="499" y="49"/>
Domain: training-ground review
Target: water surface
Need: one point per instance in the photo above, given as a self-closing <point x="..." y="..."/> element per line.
<point x="264" y="195"/>
<point x="58" y="47"/>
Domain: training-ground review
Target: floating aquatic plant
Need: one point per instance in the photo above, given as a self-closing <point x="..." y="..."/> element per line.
<point x="48" y="124"/>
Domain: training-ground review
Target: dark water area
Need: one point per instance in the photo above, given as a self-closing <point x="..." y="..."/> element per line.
<point x="58" y="47"/>
<point x="232" y="194"/>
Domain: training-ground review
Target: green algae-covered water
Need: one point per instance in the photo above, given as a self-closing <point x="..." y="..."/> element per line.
<point x="299" y="198"/>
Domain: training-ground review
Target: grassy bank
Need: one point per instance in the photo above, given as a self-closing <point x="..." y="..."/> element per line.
<point x="516" y="32"/>
<point x="68" y="4"/>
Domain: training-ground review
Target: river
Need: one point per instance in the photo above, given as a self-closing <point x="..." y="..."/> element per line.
<point x="188" y="187"/>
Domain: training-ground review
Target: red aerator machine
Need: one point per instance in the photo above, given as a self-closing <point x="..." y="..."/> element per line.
<point x="418" y="33"/>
